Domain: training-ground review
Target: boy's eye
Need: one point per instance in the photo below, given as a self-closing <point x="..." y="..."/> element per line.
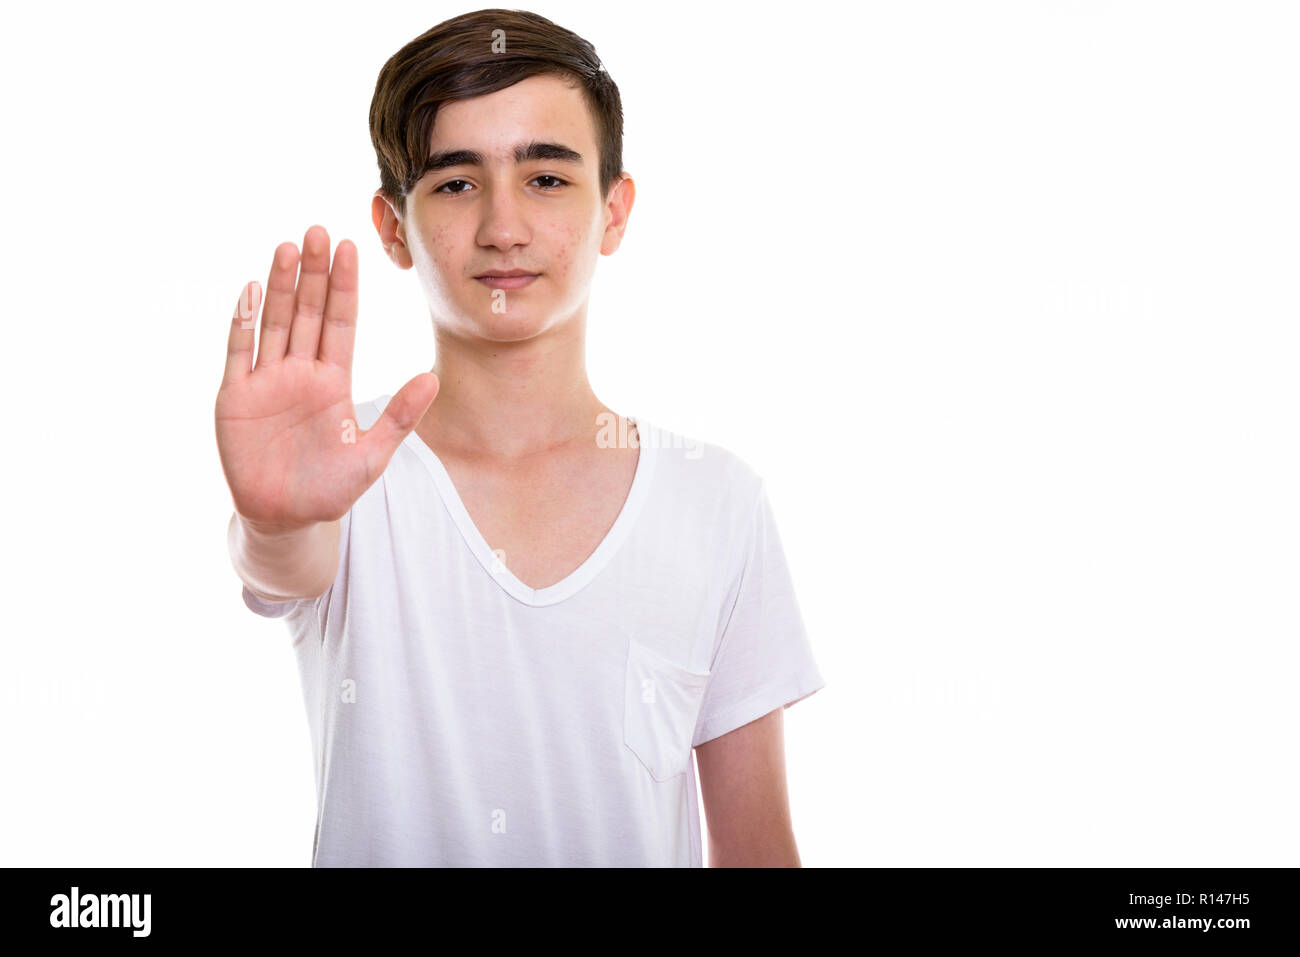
<point x="545" y="176"/>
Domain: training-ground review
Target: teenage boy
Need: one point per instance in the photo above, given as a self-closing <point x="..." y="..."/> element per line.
<point x="515" y="612"/>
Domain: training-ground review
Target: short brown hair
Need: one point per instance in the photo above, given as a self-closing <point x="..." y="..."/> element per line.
<point x="455" y="60"/>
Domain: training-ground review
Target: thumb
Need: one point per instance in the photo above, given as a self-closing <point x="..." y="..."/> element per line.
<point x="400" y="416"/>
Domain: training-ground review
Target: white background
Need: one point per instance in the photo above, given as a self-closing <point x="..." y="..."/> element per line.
<point x="1000" y="298"/>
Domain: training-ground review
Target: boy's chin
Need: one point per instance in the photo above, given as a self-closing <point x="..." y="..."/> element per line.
<point x="499" y="327"/>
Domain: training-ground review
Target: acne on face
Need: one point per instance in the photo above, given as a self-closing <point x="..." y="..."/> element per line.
<point x="574" y="239"/>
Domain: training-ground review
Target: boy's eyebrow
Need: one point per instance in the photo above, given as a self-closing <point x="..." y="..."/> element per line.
<point x="524" y="153"/>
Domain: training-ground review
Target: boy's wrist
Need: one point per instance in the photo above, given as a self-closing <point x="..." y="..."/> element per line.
<point x="270" y="529"/>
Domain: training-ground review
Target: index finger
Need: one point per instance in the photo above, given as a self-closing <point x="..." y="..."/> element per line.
<point x="340" y="322"/>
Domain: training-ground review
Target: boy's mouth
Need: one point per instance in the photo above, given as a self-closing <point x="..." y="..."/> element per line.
<point x="507" y="278"/>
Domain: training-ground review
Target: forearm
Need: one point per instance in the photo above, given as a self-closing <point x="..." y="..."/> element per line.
<point x="775" y="848"/>
<point x="283" y="566"/>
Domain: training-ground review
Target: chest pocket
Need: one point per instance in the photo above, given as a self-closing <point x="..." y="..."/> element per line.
<point x="661" y="705"/>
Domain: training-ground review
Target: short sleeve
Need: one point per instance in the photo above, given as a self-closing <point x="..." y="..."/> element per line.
<point x="764" y="660"/>
<point x="272" y="609"/>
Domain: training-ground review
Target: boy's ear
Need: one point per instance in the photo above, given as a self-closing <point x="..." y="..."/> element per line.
<point x="391" y="229"/>
<point x="617" y="210"/>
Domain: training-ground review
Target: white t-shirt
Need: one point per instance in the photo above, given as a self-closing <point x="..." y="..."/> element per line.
<point x="460" y="718"/>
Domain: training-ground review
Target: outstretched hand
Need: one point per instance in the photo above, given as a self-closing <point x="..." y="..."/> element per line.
<point x="286" y="427"/>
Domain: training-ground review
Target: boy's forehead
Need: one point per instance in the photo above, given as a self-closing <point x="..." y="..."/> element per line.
<point x="539" y="108"/>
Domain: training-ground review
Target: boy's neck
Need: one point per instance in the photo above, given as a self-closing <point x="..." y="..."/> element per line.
<point x="512" y="400"/>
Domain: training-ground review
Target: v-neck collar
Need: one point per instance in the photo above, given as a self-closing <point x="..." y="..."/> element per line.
<point x="580" y="576"/>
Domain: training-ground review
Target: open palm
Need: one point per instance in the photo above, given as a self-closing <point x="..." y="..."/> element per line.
<point x="286" y="428"/>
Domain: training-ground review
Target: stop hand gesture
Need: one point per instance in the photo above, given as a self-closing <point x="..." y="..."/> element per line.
<point x="286" y="428"/>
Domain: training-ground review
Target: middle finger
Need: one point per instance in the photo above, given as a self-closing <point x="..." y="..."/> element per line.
<point x="313" y="280"/>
